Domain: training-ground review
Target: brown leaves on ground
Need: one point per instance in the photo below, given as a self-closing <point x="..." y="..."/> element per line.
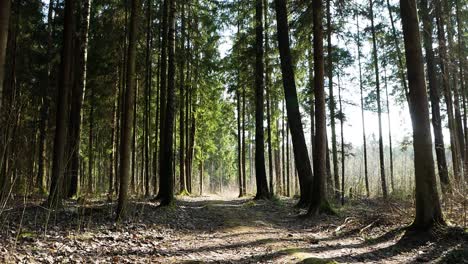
<point x="222" y="230"/>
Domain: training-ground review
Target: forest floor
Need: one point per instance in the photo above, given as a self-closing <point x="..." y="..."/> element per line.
<point x="214" y="229"/>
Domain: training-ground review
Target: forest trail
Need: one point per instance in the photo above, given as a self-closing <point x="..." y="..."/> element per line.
<point x="215" y="229"/>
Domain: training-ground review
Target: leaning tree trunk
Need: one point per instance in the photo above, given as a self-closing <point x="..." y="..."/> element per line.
<point x="128" y="116"/>
<point x="434" y="96"/>
<point x="55" y="193"/>
<point x="292" y="105"/>
<point x="260" y="173"/>
<point x="428" y="211"/>
<point x="319" y="201"/>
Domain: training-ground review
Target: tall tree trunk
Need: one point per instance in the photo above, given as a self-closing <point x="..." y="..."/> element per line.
<point x="260" y="173"/>
<point x="113" y="154"/>
<point x="91" y="143"/>
<point x="183" y="185"/>
<point x="133" y="181"/>
<point x="332" y="103"/>
<point x="440" y="18"/>
<point x="399" y="54"/>
<point x="361" y="88"/>
<point x="148" y="87"/>
<point x="55" y="193"/>
<point x="379" y="105"/>
<point x="319" y="201"/>
<point x="166" y="194"/>
<point x="128" y="116"/>
<point x="44" y="111"/>
<point x="390" y="145"/>
<point x="77" y="96"/>
<point x="461" y="29"/>
<point x="428" y="211"/>
<point x="342" y="142"/>
<point x="5" y="6"/>
<point x="268" y="96"/>
<point x="292" y="105"/>
<point x="162" y="87"/>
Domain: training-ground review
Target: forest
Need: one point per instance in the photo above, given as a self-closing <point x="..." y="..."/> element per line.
<point x="233" y="131"/>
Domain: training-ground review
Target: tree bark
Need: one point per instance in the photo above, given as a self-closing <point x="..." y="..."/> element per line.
<point x="332" y="103"/>
<point x="55" y="193"/>
<point x="361" y="88"/>
<point x="292" y="105"/>
<point x="260" y="173"/>
<point x="128" y="115"/>
<point x="383" y="180"/>
<point x="319" y="201"/>
<point x="166" y="194"/>
<point x="434" y="96"/>
<point x="5" y="6"/>
<point x="428" y="211"/>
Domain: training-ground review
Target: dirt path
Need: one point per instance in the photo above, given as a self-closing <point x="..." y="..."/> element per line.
<point x="214" y="229"/>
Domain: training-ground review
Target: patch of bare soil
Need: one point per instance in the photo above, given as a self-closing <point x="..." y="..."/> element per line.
<point x="221" y="230"/>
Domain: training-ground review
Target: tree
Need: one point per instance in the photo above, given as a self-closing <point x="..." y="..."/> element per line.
<point x="4" y="23"/>
<point x="379" y="106"/>
<point x="128" y="115"/>
<point x="292" y="106"/>
<point x="260" y="173"/>
<point x="77" y="97"/>
<point x="166" y="192"/>
<point x="55" y="192"/>
<point x="428" y="211"/>
<point x="319" y="202"/>
<point x="447" y="91"/>
<point x="332" y="103"/>
<point x="361" y="89"/>
<point x="183" y="185"/>
<point x="434" y="95"/>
